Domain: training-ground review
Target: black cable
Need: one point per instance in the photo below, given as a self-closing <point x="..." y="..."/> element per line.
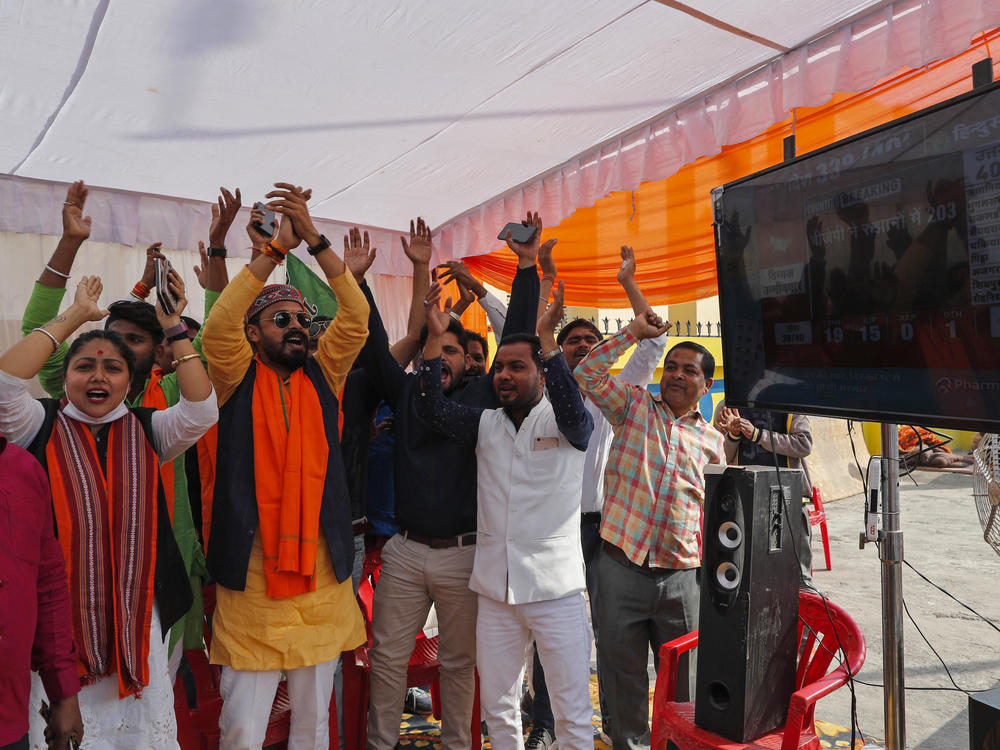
<point x="949" y="594"/>
<point x="798" y="559"/>
<point x="942" y="688"/>
<point x="864" y="475"/>
<point x="948" y="671"/>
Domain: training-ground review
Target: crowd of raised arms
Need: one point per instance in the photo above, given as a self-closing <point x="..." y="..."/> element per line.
<point x="272" y="459"/>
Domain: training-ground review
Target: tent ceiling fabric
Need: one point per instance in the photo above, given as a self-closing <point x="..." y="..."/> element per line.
<point x="389" y="110"/>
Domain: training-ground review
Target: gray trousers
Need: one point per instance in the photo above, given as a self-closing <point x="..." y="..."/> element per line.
<point x="641" y="609"/>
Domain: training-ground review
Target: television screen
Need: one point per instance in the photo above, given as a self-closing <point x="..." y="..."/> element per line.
<point x="863" y="280"/>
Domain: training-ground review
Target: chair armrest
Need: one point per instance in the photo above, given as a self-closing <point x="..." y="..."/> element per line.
<point x="803" y="700"/>
<point x="666" y="675"/>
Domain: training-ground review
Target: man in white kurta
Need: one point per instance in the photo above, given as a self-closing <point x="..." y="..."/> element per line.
<point x="528" y="569"/>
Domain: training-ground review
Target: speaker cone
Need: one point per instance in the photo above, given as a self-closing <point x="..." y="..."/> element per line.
<point x="730" y="535"/>
<point x="728" y="576"/>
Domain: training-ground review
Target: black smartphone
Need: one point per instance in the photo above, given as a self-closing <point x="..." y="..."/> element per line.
<point x="168" y="300"/>
<point x="270" y="224"/>
<point x="520" y="233"/>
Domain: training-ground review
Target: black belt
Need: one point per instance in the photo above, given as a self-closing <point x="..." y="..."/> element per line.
<point x="618" y="555"/>
<point x="446" y="542"/>
<point x="592" y="517"/>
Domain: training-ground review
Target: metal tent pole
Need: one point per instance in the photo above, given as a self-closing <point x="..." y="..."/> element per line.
<point x="891" y="554"/>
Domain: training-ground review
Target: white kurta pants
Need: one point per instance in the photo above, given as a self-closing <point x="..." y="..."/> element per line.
<point x="562" y="636"/>
<point x="113" y="724"/>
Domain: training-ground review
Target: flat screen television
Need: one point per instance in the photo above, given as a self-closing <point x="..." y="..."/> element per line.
<point x="862" y="280"/>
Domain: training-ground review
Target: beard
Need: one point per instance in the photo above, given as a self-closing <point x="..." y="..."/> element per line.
<point x="288" y="358"/>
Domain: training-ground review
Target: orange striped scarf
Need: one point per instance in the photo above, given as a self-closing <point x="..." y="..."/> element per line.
<point x="107" y="530"/>
<point x="290" y="454"/>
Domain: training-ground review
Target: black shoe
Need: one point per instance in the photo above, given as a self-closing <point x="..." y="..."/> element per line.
<point x="541" y="738"/>
<point x="418" y="702"/>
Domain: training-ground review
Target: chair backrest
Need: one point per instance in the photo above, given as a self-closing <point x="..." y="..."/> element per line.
<point x="823" y="628"/>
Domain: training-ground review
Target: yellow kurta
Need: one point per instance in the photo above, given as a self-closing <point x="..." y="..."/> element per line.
<point x="252" y="631"/>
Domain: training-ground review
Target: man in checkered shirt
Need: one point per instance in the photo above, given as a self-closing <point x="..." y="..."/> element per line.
<point x="654" y="489"/>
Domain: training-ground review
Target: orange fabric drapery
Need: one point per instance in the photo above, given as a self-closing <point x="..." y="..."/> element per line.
<point x="669" y="222"/>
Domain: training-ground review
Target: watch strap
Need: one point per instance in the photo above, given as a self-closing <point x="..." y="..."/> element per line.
<point x="216" y="252"/>
<point x="323" y="244"/>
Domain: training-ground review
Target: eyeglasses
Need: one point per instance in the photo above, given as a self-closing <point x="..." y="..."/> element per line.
<point x="283" y="319"/>
<point x="317" y="327"/>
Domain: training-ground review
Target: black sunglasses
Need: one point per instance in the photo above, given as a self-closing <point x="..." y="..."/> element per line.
<point x="283" y="319"/>
<point x="317" y="327"/>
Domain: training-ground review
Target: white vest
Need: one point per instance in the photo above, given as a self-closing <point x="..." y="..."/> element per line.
<point x="530" y="481"/>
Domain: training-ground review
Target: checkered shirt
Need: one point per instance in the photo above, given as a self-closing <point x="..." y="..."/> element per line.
<point x="654" y="484"/>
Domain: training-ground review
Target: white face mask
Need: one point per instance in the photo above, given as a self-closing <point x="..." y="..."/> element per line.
<point x="73" y="413"/>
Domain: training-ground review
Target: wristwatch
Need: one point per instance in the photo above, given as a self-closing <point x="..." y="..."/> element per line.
<point x="176" y="333"/>
<point x="323" y="244"/>
<point x="216" y="252"/>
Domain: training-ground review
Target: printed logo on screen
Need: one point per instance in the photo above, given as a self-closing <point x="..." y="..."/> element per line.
<point x="947" y="385"/>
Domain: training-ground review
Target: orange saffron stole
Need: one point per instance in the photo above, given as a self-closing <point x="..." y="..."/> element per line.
<point x="154" y="398"/>
<point x="290" y="473"/>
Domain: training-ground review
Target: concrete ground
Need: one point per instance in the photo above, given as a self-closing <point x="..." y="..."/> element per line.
<point x="943" y="540"/>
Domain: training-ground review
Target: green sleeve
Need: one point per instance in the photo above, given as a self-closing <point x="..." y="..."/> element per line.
<point x="43" y="307"/>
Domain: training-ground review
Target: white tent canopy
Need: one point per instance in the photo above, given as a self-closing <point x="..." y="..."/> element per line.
<point x="465" y="113"/>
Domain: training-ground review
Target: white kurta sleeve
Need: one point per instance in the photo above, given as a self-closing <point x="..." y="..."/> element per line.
<point x="178" y="428"/>
<point x="21" y="416"/>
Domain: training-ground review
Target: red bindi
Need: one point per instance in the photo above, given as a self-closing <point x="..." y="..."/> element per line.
<point x="100" y="351"/>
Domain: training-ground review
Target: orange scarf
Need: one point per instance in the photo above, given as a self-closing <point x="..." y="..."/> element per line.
<point x="290" y="452"/>
<point x="208" y="447"/>
<point x="154" y="398"/>
<point x="107" y="531"/>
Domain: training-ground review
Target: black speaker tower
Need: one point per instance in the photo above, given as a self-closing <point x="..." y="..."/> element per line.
<point x="749" y="601"/>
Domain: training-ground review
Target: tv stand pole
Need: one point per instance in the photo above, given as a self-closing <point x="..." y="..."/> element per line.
<point x="891" y="555"/>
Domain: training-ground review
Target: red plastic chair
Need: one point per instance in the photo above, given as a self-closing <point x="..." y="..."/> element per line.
<point x="198" y="727"/>
<point x="818" y="645"/>
<point x="423" y="669"/>
<point x="817" y="517"/>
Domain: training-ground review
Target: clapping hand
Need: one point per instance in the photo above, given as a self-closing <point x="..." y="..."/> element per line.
<point x="88" y="291"/>
<point x="201" y="272"/>
<point x="458" y="271"/>
<point x="223" y="215"/>
<point x="553" y="314"/>
<point x="545" y="260"/>
<point x="296" y="224"/>
<point x="76" y="226"/>
<point x="438" y="319"/>
<point x="626" y="271"/>
<point x="727" y="420"/>
<point x="358" y="253"/>
<point x="418" y="250"/>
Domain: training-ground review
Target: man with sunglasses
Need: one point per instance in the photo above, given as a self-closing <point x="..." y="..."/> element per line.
<point x="281" y="544"/>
